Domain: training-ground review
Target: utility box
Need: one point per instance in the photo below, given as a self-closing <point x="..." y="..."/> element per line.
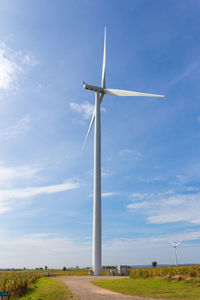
<point x="123" y="270"/>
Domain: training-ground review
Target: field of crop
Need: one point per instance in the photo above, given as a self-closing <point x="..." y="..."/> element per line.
<point x="16" y="283"/>
<point x="184" y="271"/>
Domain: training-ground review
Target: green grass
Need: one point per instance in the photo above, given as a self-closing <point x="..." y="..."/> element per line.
<point x="47" y="289"/>
<point x="154" y="287"/>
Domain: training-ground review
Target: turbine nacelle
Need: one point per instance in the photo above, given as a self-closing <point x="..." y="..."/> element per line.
<point x="93" y="88"/>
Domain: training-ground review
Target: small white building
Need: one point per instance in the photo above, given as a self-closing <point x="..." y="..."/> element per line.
<point x="123" y="270"/>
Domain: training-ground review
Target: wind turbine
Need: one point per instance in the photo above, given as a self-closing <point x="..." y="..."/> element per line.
<point x="175" y="245"/>
<point x="100" y="91"/>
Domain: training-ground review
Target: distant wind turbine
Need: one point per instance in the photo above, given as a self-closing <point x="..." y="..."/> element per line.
<point x="175" y="245"/>
<point x="100" y="91"/>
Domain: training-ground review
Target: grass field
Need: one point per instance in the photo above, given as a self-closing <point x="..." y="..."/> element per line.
<point x="47" y="289"/>
<point x="154" y="287"/>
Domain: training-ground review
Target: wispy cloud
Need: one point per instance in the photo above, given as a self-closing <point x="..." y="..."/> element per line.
<point x="160" y="208"/>
<point x="104" y="172"/>
<point x="7" y="197"/>
<point x="185" y="73"/>
<point x="36" y="249"/>
<point x="151" y="179"/>
<point x="164" y="239"/>
<point x="12" y="63"/>
<point x="8" y="70"/>
<point x="146" y="248"/>
<point x="42" y="235"/>
<point x="130" y="153"/>
<point x="85" y="109"/>
<point x="109" y="194"/>
<point x="22" y="125"/>
<point x="30" y="60"/>
<point x="140" y="196"/>
<point x="10" y="175"/>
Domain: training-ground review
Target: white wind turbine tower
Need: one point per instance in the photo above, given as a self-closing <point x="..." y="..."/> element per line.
<point x="175" y="245"/>
<point x="100" y="91"/>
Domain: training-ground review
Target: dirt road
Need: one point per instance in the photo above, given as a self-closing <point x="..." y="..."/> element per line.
<point x="83" y="288"/>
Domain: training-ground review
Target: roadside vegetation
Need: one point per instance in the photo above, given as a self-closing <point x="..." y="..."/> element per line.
<point x="47" y="289"/>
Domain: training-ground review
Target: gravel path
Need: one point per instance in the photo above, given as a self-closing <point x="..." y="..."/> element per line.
<point x="83" y="288"/>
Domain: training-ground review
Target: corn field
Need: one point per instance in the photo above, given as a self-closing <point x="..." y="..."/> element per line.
<point x="186" y="271"/>
<point x="16" y="283"/>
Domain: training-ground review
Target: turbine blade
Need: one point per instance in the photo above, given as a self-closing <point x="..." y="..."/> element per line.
<point x="172" y="243"/>
<point x="90" y="127"/>
<point x="115" y="92"/>
<point x="103" y="79"/>
<point x="178" y="244"/>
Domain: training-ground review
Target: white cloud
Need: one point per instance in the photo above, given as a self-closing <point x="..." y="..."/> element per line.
<point x="177" y="236"/>
<point x="151" y="179"/>
<point x="185" y="73"/>
<point x="105" y="172"/>
<point x="139" y="205"/>
<point x="160" y="208"/>
<point x="8" y="197"/>
<point x="134" y="243"/>
<point x="56" y="250"/>
<point x="146" y="249"/>
<point x="109" y="194"/>
<point x="29" y="60"/>
<point x="8" y="175"/>
<point x="127" y="153"/>
<point x="191" y="188"/>
<point x="12" y="63"/>
<point x="85" y="110"/>
<point x="42" y="235"/>
<point x="140" y="196"/>
<point x="8" y="70"/>
<point x="40" y="249"/>
<point x="22" y="125"/>
<point x="35" y="191"/>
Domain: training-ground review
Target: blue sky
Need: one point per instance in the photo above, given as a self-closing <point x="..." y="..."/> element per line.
<point x="150" y="147"/>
